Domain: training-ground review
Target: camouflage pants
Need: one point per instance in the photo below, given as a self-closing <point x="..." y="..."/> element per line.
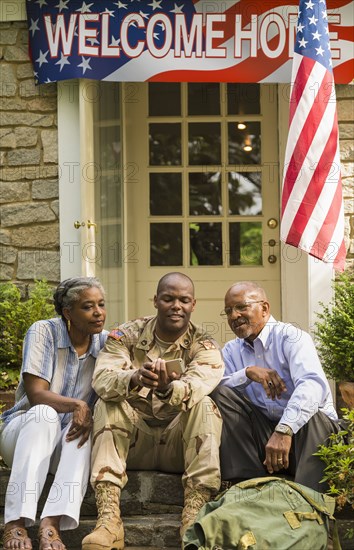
<point x="189" y="444"/>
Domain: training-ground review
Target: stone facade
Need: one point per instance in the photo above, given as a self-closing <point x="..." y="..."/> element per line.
<point x="29" y="218"/>
<point x="29" y="192"/>
<point x="345" y="109"/>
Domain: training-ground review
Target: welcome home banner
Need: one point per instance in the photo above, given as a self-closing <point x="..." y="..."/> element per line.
<point x="177" y="41"/>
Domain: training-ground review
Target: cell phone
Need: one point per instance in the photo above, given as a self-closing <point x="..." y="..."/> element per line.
<point x="175" y="365"/>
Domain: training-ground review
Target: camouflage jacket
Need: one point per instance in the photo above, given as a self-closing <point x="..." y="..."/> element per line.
<point x="133" y="343"/>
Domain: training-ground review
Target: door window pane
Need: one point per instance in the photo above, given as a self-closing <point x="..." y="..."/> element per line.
<point x="204" y="143"/>
<point x="243" y="99"/>
<point x="244" y="144"/>
<point x="111" y="246"/>
<point x="245" y="193"/>
<point x="245" y="243"/>
<point x="165" y="144"/>
<point x="203" y="98"/>
<point x="166" y="244"/>
<point x="205" y="194"/>
<point x="110" y="148"/>
<point x="171" y="103"/>
<point x="205" y="244"/>
<point x="108" y="249"/>
<point x="166" y="194"/>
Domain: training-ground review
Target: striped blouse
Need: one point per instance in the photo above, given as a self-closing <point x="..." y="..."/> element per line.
<point x="49" y="354"/>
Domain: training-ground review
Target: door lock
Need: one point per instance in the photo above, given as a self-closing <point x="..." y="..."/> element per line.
<point x="272" y="223"/>
<point x="89" y="224"/>
<point x="78" y="224"/>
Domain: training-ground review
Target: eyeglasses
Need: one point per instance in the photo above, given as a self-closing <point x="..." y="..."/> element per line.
<point x="239" y="308"/>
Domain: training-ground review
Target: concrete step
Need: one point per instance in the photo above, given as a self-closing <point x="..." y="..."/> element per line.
<point x="155" y="531"/>
<point x="147" y="492"/>
<point x="151" y="506"/>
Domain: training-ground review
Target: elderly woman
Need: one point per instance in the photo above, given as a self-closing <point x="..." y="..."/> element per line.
<point x="49" y="428"/>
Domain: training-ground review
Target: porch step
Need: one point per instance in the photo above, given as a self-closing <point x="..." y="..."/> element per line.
<point x="151" y="506"/>
<point x="154" y="531"/>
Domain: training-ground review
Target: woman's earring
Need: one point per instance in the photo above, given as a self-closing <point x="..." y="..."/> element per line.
<point x="68" y="324"/>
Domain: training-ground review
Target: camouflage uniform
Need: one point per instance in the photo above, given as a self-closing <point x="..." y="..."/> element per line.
<point x="177" y="433"/>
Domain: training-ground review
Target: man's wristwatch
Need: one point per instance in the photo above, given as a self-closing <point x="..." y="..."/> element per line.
<point x="283" y="429"/>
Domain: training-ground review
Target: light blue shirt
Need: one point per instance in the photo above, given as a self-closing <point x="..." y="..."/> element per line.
<point x="292" y="353"/>
<point x="49" y="354"/>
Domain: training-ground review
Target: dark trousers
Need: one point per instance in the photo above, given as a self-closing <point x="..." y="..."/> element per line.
<point x="246" y="431"/>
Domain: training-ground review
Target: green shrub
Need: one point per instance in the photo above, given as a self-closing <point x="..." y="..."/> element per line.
<point x="16" y="316"/>
<point x="334" y="332"/>
<point x="338" y="457"/>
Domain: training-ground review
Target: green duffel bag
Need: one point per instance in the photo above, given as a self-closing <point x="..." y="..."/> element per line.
<point x="265" y="513"/>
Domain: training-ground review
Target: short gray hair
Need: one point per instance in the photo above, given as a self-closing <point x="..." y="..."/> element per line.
<point x="68" y="291"/>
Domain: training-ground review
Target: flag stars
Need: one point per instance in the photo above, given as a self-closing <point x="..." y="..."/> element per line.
<point x="85" y="8"/>
<point x="110" y="12"/>
<point x="115" y="41"/>
<point x="62" y="5"/>
<point x="300" y="27"/>
<point x="177" y="9"/>
<point x="316" y="35"/>
<point x="320" y="51"/>
<point x="120" y="5"/>
<point x="85" y="64"/>
<point x="144" y="15"/>
<point x="302" y="43"/>
<point x="92" y="41"/>
<point x="34" y="26"/>
<point x="41" y="3"/>
<point x="42" y="57"/>
<point x="62" y="61"/>
<point x="309" y="5"/>
<point x="156" y="5"/>
<point x="312" y="20"/>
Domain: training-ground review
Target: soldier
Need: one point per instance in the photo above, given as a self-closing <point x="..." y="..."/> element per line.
<point x="149" y="419"/>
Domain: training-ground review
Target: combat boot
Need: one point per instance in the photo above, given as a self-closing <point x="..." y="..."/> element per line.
<point x="194" y="500"/>
<point x="108" y="533"/>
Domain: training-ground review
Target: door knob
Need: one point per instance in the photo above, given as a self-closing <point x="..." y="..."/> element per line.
<point x="91" y="224"/>
<point x="272" y="259"/>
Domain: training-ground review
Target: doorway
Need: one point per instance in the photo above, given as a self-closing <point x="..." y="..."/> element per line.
<point x="201" y="192"/>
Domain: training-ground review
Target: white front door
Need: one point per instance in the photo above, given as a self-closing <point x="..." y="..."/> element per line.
<point x="201" y="191"/>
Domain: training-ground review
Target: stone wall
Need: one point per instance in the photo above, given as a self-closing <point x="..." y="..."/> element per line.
<point x="345" y="109"/>
<point x="29" y="206"/>
<point x="29" y="226"/>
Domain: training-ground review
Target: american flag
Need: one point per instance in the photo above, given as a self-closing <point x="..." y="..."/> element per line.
<point x="273" y="20"/>
<point x="312" y="202"/>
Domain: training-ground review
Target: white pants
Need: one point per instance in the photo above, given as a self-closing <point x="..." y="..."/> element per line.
<point x="33" y="444"/>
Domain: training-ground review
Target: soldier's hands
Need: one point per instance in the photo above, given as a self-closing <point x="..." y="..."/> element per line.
<point x="164" y="379"/>
<point x="273" y="385"/>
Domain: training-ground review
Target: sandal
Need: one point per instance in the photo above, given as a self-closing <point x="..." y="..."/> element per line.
<point x="17" y="533"/>
<point x="48" y="535"/>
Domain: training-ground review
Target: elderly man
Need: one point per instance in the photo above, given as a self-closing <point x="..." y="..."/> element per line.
<point x="149" y="419"/>
<point x="275" y="400"/>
